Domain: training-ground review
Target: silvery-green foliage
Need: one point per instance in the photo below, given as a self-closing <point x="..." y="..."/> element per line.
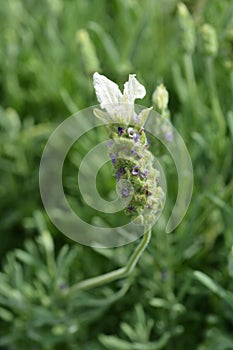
<point x="36" y="298"/>
<point x="137" y="336"/>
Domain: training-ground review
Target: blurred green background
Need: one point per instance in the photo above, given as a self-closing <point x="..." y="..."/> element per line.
<point x="180" y="295"/>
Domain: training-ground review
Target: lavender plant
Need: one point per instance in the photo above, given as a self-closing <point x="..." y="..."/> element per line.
<point x="47" y="64"/>
<point x="137" y="179"/>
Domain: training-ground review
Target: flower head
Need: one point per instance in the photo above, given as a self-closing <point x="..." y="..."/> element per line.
<point x="131" y="160"/>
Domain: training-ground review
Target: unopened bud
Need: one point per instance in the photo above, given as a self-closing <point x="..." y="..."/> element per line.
<point x="88" y="52"/>
<point x="209" y="41"/>
<point x="188" y="35"/>
<point x="229" y="32"/>
<point x="228" y="64"/>
<point x="160" y="98"/>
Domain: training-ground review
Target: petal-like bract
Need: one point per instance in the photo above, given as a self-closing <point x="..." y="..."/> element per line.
<point x="120" y="107"/>
<point x="133" y="89"/>
<point x="107" y="91"/>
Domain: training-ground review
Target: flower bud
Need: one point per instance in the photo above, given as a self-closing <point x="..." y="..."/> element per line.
<point x="188" y="35"/>
<point x="88" y="52"/>
<point x="209" y="41"/>
<point x="228" y="64"/>
<point x="229" y="33"/>
<point x="160" y="98"/>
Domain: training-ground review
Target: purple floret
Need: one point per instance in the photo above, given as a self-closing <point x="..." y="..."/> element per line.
<point x="131" y="208"/>
<point x="124" y="192"/>
<point x="113" y="158"/>
<point x="144" y="174"/>
<point x="147" y="192"/>
<point x="119" y="173"/>
<point x="131" y="132"/>
<point x="135" y="170"/>
<point x="136" y="139"/>
<point x="121" y="130"/>
<point x="110" y="143"/>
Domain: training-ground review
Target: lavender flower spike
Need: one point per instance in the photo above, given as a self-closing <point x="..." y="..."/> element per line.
<point x="131" y="160"/>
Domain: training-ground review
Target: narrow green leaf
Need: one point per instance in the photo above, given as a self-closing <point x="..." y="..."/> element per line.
<point x="6" y="315"/>
<point x="114" y="343"/>
<point x="210" y="284"/>
<point x="108" y="44"/>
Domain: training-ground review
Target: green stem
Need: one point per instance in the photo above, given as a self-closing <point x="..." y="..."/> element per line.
<point x="119" y="273"/>
<point x="214" y="96"/>
<point x="231" y="82"/>
<point x="191" y="84"/>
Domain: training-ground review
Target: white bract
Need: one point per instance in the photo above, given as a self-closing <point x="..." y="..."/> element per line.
<point x="119" y="106"/>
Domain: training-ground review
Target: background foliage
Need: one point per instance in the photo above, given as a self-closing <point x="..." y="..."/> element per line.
<point x="181" y="293"/>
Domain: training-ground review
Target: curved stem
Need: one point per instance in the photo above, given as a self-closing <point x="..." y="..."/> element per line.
<point x="138" y="251"/>
<point x="119" y="273"/>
